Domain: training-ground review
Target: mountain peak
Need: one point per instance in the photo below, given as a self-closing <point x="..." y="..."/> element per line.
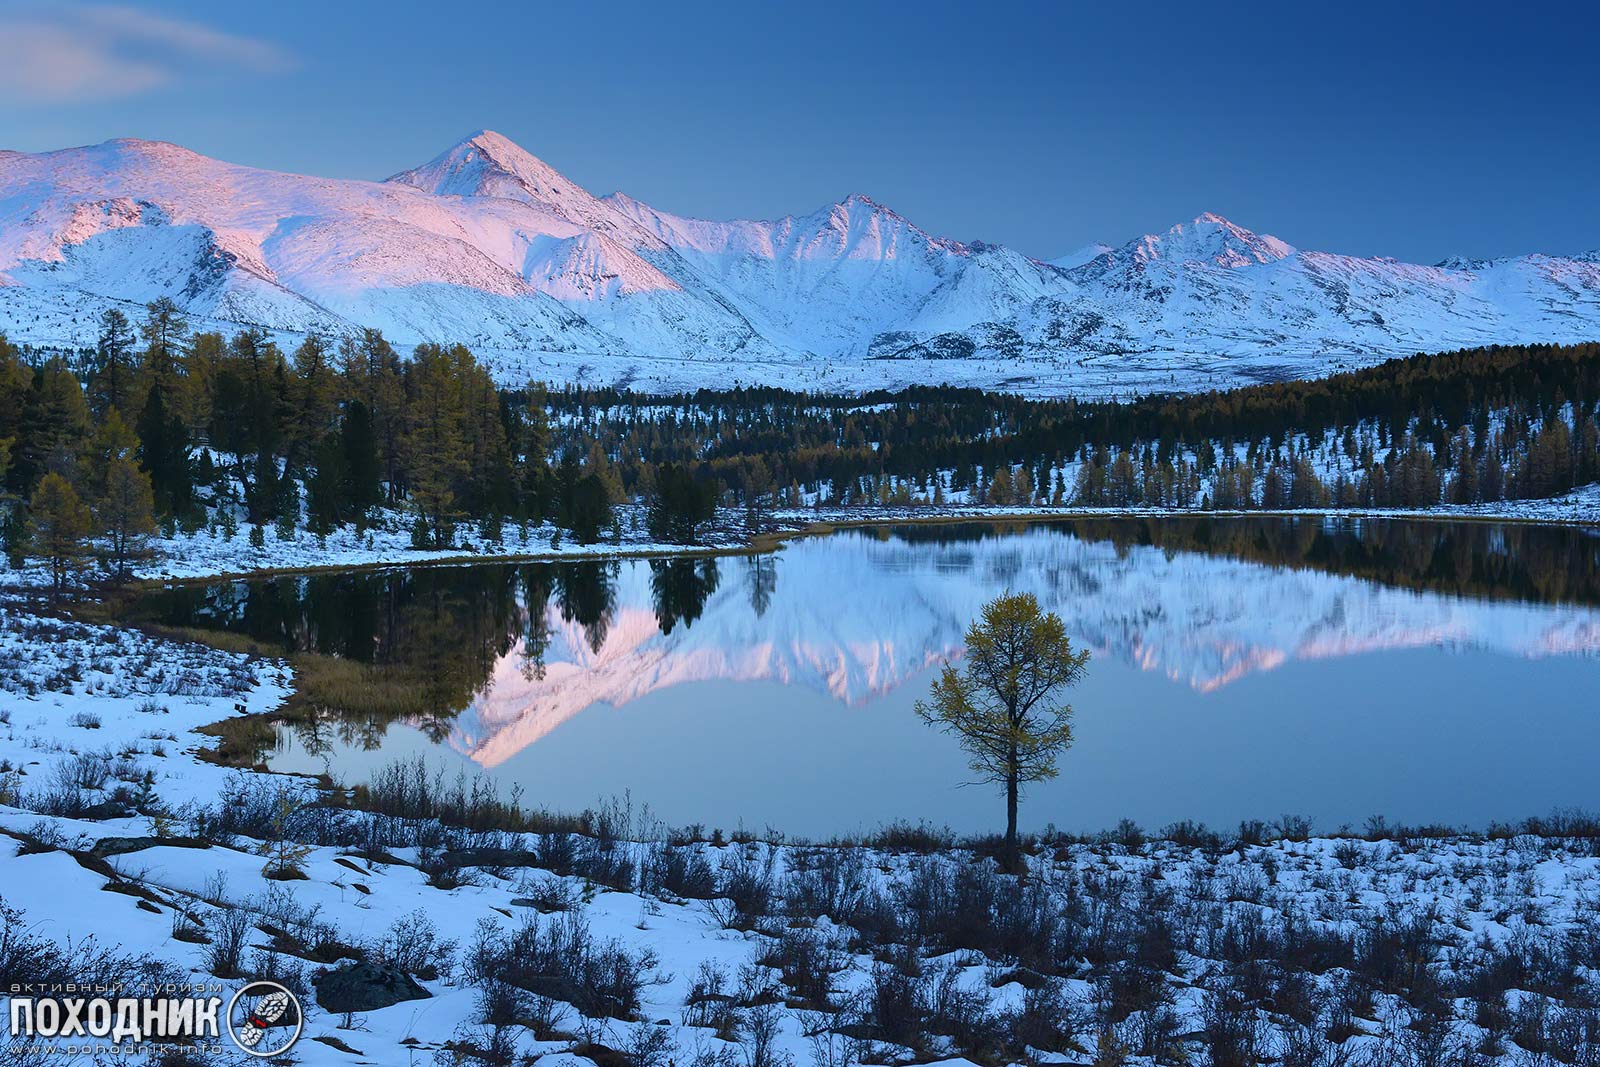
<point x="486" y="163"/>
<point x="859" y="206"/>
<point x="500" y="149"/>
<point x="491" y="139"/>
<point x="491" y="165"/>
<point x="1214" y="240"/>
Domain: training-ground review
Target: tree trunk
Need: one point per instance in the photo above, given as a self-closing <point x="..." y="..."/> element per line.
<point x="1011" y="822"/>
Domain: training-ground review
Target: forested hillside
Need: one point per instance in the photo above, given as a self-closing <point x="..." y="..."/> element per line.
<point x="1515" y="422"/>
<point x="158" y="426"/>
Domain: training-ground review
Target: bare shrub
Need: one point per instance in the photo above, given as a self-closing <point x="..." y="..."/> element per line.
<point x="806" y="961"/>
<point x="680" y="871"/>
<point x="413" y="944"/>
<point x="230" y="933"/>
<point x="558" y="958"/>
<point x="709" y="1003"/>
<point x="745" y="893"/>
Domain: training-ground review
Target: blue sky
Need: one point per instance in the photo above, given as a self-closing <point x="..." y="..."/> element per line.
<point x="1411" y="130"/>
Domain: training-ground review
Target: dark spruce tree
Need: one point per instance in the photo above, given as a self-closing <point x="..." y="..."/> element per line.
<point x="164" y="453"/>
<point x="358" y="444"/>
<point x="679" y="505"/>
<point x="590" y="509"/>
<point x="115" y="365"/>
<point x="327" y="502"/>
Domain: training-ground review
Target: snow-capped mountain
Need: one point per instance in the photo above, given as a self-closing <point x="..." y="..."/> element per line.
<point x="488" y="245"/>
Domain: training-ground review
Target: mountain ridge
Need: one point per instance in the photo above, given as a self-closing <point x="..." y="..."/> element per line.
<point x="491" y="246"/>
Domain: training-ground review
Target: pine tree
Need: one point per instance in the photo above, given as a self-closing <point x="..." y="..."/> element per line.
<point x="678" y="505"/>
<point x="590" y="509"/>
<point x="1549" y="462"/>
<point x="58" y="521"/>
<point x="113" y="439"/>
<point x="1274" y="490"/>
<point x="1092" y="479"/>
<point x="204" y="362"/>
<point x="1002" y="707"/>
<point x="116" y="366"/>
<point x="1000" y="488"/>
<point x="435" y="447"/>
<point x="1123" y="482"/>
<point x="15" y="379"/>
<point x="13" y="527"/>
<point x="373" y="370"/>
<point x="599" y="464"/>
<point x="491" y="477"/>
<point x="533" y="452"/>
<point x="1464" y="487"/>
<point x="1492" y="486"/>
<point x="755" y="488"/>
<point x="165" y="333"/>
<point x="126" y="511"/>
<point x="163" y="405"/>
<point x="1022" y="487"/>
<point x="314" y="403"/>
<point x="1307" y="489"/>
<point x="55" y="423"/>
<point x="326" y="502"/>
<point x="1589" y="452"/>
<point x="362" y="490"/>
<point x="164" y="452"/>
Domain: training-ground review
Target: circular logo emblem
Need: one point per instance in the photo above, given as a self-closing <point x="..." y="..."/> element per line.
<point x="264" y="1019"/>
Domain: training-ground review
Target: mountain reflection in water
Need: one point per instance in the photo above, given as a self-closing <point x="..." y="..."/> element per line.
<point x="507" y="653"/>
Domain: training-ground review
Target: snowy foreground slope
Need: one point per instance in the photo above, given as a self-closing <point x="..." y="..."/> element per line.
<point x="122" y="852"/>
<point x="489" y="246"/>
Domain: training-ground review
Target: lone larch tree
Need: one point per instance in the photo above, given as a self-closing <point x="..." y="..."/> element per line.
<point x="1003" y="705"/>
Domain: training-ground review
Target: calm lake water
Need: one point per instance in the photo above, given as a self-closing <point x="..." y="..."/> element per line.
<point x="1242" y="668"/>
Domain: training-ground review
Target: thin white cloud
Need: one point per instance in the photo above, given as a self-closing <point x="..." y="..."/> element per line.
<point x="69" y="53"/>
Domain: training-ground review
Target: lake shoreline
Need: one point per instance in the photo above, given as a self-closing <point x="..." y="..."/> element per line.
<point x="872" y="639"/>
<point x="199" y="558"/>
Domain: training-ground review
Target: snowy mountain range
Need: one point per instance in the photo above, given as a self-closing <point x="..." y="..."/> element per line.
<point x="490" y="246"/>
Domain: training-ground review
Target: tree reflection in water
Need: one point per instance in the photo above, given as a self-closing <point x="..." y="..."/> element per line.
<point x="438" y="632"/>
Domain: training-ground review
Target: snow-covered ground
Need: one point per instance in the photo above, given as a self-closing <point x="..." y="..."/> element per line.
<point x="116" y="711"/>
<point x="1581" y="506"/>
<point x="213" y="553"/>
<point x="835" y="948"/>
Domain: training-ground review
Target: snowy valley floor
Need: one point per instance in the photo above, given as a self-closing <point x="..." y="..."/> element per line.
<point x="606" y="941"/>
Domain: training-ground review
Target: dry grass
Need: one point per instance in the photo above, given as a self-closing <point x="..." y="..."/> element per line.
<point x="226" y="640"/>
<point x="327" y="683"/>
<point x="324" y="687"/>
<point x="242" y="740"/>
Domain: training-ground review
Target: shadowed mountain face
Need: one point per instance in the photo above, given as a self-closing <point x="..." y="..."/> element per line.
<point x="488" y="245"/>
<point x="853" y="617"/>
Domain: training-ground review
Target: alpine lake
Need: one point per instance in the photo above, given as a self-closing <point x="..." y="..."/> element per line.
<point x="1243" y="668"/>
